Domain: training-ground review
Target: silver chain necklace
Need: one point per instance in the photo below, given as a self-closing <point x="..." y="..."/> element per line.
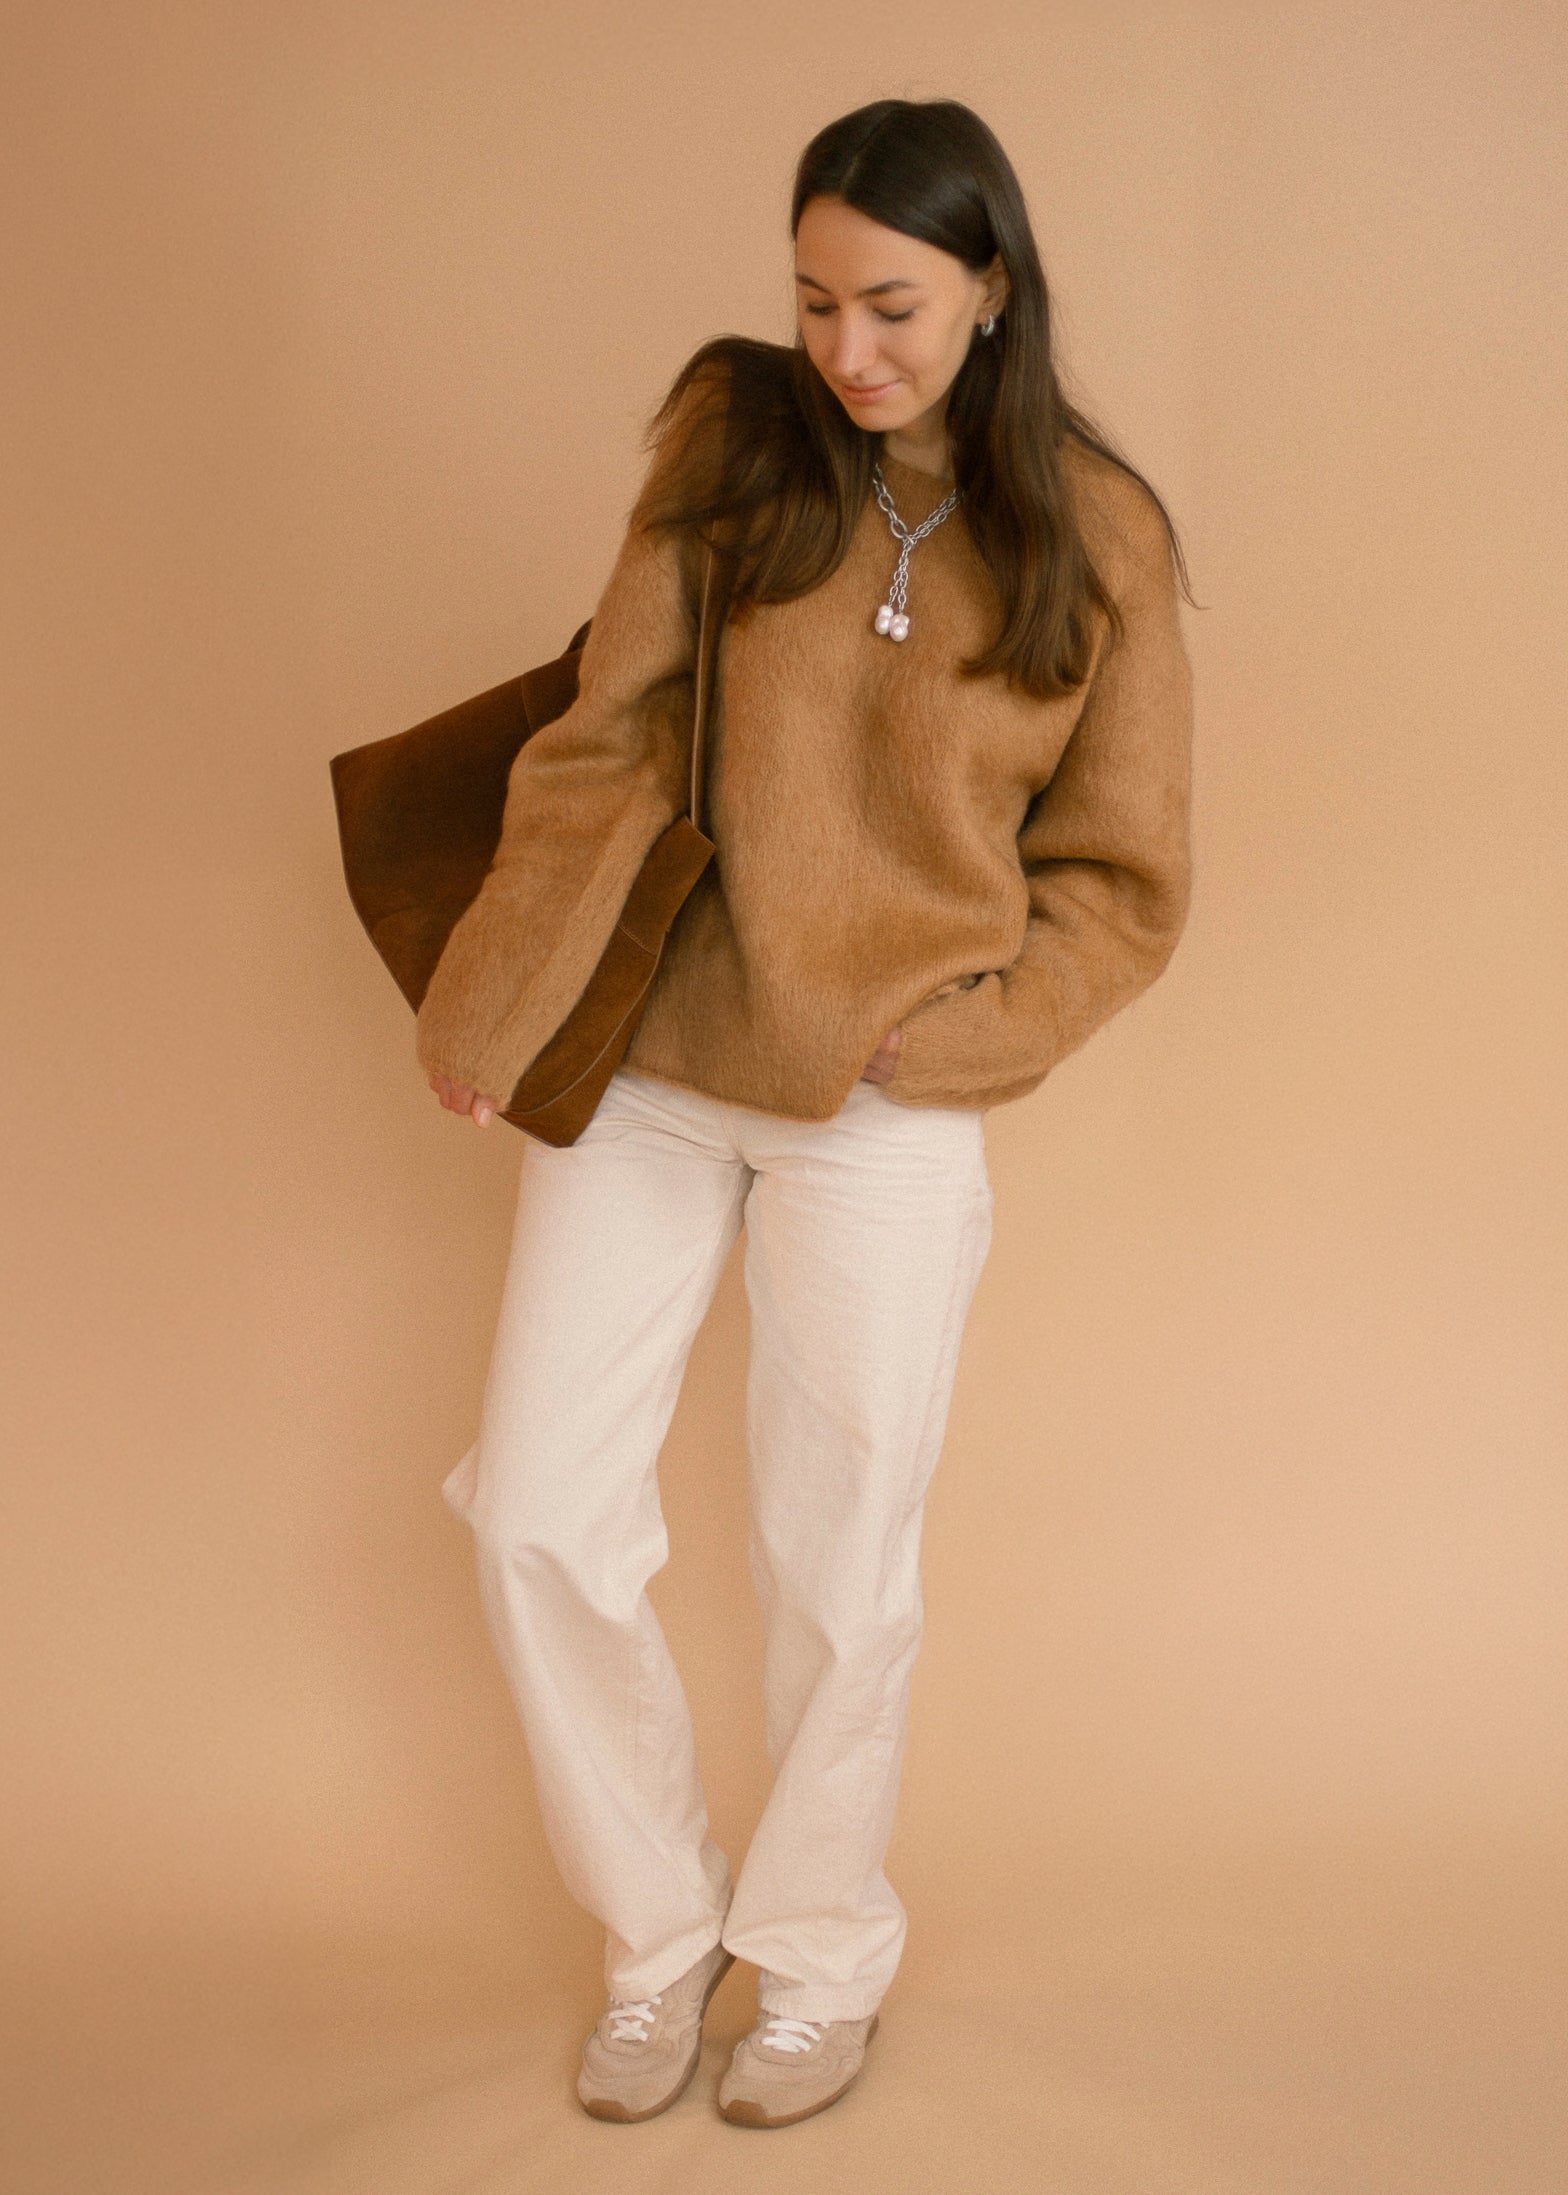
<point x="892" y="619"/>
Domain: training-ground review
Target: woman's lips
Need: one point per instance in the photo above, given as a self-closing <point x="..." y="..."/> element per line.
<point x="869" y="396"/>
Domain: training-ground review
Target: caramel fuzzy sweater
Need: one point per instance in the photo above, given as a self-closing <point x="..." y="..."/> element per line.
<point x="895" y="843"/>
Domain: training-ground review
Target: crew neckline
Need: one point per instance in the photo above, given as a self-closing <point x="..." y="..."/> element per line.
<point x="915" y="472"/>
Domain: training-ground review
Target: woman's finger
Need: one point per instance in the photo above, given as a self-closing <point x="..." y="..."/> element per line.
<point x="879" y="1068"/>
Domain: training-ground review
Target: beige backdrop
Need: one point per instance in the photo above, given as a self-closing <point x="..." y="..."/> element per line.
<point x="1232" y="1823"/>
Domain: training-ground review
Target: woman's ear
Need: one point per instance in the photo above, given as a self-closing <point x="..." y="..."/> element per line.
<point x="997" y="286"/>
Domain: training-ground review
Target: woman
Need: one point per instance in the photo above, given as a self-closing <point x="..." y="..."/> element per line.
<point x="949" y="796"/>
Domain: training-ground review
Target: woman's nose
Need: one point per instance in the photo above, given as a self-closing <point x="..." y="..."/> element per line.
<point x="854" y="348"/>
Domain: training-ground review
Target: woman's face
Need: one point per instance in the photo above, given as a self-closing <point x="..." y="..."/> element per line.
<point x="886" y="319"/>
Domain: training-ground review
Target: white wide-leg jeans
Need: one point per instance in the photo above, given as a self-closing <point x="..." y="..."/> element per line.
<point x="865" y="1237"/>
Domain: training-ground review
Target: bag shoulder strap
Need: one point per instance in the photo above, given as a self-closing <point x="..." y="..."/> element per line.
<point x="717" y="582"/>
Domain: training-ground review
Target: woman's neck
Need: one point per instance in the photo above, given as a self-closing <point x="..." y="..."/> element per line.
<point x="930" y="454"/>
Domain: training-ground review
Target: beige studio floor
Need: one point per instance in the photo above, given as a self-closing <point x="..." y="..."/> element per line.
<point x="1385" y="2021"/>
<point x="1232" y="1829"/>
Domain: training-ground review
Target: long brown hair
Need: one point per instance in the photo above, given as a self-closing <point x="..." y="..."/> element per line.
<point x="776" y="468"/>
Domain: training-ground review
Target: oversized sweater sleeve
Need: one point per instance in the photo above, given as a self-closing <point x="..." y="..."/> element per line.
<point x="587" y="796"/>
<point x="1105" y="852"/>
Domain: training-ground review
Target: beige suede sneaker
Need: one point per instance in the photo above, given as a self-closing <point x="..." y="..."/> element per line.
<point x="642" y="2053"/>
<point x="786" y="2069"/>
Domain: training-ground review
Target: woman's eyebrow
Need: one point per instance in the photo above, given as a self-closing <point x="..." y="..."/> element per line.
<point x="877" y="289"/>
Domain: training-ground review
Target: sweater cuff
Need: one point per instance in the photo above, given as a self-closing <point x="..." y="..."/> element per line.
<point x="977" y="1046"/>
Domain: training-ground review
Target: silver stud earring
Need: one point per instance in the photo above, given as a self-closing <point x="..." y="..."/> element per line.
<point x="988" y="324"/>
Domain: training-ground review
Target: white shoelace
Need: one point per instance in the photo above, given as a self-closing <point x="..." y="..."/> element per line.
<point x="803" y="2034"/>
<point x="631" y="2020"/>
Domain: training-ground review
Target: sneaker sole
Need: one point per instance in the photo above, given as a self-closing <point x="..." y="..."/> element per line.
<point x="742" y="2112"/>
<point x="607" y="2107"/>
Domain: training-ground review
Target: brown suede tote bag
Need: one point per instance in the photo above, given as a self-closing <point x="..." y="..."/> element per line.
<point x="419" y="819"/>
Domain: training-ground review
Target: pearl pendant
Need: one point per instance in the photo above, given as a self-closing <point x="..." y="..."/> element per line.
<point x="892" y="622"/>
<point x="884" y="617"/>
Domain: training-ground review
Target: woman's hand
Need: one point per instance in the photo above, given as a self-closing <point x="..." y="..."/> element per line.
<point x="459" y="1098"/>
<point x="880" y="1066"/>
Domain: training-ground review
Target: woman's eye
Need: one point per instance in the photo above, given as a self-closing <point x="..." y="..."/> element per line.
<point x="817" y="311"/>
